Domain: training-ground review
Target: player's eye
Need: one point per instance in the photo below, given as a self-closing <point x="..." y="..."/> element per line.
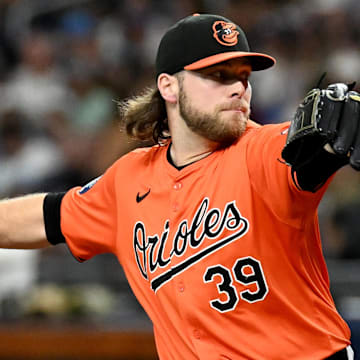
<point x="228" y="77"/>
<point x="220" y="75"/>
<point x="216" y="74"/>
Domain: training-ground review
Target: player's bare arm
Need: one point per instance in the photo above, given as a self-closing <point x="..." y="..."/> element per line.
<point x="22" y="223"/>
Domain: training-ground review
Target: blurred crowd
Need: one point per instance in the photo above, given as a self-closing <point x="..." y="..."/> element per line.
<point x="63" y="64"/>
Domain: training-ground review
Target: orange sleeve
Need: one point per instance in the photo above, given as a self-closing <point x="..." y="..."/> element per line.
<point x="88" y="217"/>
<point x="271" y="177"/>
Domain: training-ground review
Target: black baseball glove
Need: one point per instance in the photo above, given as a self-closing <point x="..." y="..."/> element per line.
<point x="324" y="135"/>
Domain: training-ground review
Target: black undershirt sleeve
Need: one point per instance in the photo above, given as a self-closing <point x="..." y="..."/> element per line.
<point x="51" y="212"/>
<point x="313" y="175"/>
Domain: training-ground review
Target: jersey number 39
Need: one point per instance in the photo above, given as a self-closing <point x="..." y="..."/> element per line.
<point x="239" y="275"/>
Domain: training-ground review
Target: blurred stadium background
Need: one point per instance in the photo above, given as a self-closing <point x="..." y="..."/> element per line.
<point x="62" y="63"/>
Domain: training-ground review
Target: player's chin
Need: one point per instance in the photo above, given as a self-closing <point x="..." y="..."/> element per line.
<point x="235" y="123"/>
<point x="228" y="134"/>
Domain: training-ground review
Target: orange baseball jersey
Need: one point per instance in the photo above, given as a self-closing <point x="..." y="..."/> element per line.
<point x="224" y="255"/>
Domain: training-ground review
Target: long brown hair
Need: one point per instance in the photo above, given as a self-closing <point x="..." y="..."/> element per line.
<point x="144" y="116"/>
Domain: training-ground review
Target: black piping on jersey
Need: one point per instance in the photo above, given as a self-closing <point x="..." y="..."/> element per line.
<point x="309" y="177"/>
<point x="51" y="210"/>
<point x="171" y="162"/>
<point x="51" y="213"/>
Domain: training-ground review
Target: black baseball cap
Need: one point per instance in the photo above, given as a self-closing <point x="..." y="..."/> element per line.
<point x="198" y="41"/>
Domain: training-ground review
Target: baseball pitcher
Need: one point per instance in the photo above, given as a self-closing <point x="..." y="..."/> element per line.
<point x="215" y="225"/>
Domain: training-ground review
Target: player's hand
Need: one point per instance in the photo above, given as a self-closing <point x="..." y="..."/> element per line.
<point x="327" y="119"/>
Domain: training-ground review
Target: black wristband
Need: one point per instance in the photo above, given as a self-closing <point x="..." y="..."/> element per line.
<point x="51" y="212"/>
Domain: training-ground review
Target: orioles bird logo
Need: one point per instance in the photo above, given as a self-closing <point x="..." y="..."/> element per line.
<point x="225" y="33"/>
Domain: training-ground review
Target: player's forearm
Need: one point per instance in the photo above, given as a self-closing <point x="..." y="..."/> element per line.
<point x="22" y="223"/>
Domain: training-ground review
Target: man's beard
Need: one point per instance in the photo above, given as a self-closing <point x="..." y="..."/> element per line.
<point x="211" y="125"/>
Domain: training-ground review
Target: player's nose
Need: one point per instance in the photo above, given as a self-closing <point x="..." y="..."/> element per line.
<point x="239" y="88"/>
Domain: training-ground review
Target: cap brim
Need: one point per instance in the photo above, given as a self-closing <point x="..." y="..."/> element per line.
<point x="258" y="61"/>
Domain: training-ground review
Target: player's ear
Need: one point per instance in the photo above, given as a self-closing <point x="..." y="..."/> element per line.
<point x="168" y="87"/>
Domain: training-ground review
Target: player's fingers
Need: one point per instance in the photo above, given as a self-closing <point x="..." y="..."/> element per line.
<point x="347" y="130"/>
